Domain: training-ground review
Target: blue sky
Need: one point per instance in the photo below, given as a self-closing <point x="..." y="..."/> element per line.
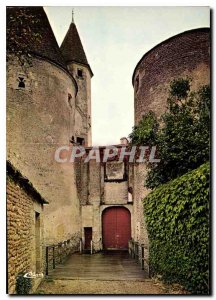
<point x="114" y="39"/>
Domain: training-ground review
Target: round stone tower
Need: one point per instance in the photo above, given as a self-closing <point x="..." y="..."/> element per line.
<point x="41" y="94"/>
<point x="186" y="54"/>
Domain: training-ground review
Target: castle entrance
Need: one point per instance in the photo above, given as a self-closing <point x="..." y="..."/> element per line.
<point x="116" y="228"/>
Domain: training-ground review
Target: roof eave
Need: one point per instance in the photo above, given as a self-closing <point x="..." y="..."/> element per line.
<point x="82" y="64"/>
<point x="24" y="182"/>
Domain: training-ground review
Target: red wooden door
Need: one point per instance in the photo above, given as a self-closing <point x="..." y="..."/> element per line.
<point x="116" y="222"/>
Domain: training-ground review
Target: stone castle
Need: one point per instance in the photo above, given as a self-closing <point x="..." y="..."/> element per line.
<point x="49" y="105"/>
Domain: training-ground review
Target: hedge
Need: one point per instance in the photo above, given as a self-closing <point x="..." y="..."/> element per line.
<point x="177" y="216"/>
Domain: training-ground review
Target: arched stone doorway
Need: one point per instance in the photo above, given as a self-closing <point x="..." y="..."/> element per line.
<point x="116" y="228"/>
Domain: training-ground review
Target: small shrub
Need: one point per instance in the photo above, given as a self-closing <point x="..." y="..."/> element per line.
<point x="23" y="284"/>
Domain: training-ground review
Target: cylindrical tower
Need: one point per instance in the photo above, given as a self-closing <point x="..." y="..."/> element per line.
<point x="186" y="54"/>
<point x="40" y="115"/>
<point x="78" y="66"/>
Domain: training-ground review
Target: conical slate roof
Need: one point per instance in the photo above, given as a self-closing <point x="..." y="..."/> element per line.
<point x="29" y="30"/>
<point x="71" y="47"/>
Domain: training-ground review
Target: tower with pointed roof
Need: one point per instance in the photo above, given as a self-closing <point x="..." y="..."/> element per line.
<point x="41" y="116"/>
<point x="78" y="66"/>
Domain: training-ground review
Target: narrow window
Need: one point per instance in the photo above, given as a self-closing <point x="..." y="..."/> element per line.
<point x="69" y="100"/>
<point x="21" y="82"/>
<point x="130" y="194"/>
<point x="80" y="141"/>
<point x="79" y="73"/>
<point x="137" y="83"/>
<point x="72" y="140"/>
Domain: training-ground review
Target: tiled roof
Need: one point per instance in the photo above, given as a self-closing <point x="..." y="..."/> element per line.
<point x="72" y="49"/>
<point x="28" y="29"/>
<point x="24" y="182"/>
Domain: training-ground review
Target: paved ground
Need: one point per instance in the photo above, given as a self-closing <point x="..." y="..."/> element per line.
<point x="101" y="266"/>
<point x="103" y="273"/>
<point x="98" y="287"/>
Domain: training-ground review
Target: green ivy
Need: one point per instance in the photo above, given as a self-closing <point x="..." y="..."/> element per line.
<point x="180" y="88"/>
<point x="177" y="216"/>
<point x="23" y="284"/>
<point x="183" y="137"/>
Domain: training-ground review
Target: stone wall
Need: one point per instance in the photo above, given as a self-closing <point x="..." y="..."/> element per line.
<point x="83" y="102"/>
<point x="82" y="179"/>
<point x="98" y="193"/>
<point x="137" y="175"/>
<point x="114" y="170"/>
<point x="94" y="186"/>
<point x="116" y="192"/>
<point x="40" y="118"/>
<point x="186" y="54"/>
<point x="22" y="236"/>
<point x="59" y="253"/>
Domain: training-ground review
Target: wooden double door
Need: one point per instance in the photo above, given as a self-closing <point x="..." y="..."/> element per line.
<point x="116" y="228"/>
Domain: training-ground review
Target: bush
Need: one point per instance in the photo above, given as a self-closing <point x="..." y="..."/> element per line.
<point x="177" y="216"/>
<point x="181" y="135"/>
<point x="23" y="284"/>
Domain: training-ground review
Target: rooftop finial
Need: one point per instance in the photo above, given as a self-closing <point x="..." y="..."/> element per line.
<point x="72" y="15"/>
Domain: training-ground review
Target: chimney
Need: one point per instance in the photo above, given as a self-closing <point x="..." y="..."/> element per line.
<point x="124" y="141"/>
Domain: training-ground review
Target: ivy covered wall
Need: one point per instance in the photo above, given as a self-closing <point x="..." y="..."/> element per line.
<point x="177" y="216"/>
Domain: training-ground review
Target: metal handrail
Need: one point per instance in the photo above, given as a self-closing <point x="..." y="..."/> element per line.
<point x="133" y="249"/>
<point x="93" y="242"/>
<point x="81" y="246"/>
<point x="55" y="250"/>
<point x="142" y="256"/>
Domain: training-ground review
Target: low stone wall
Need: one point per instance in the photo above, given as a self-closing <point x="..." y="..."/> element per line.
<point x="58" y="253"/>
